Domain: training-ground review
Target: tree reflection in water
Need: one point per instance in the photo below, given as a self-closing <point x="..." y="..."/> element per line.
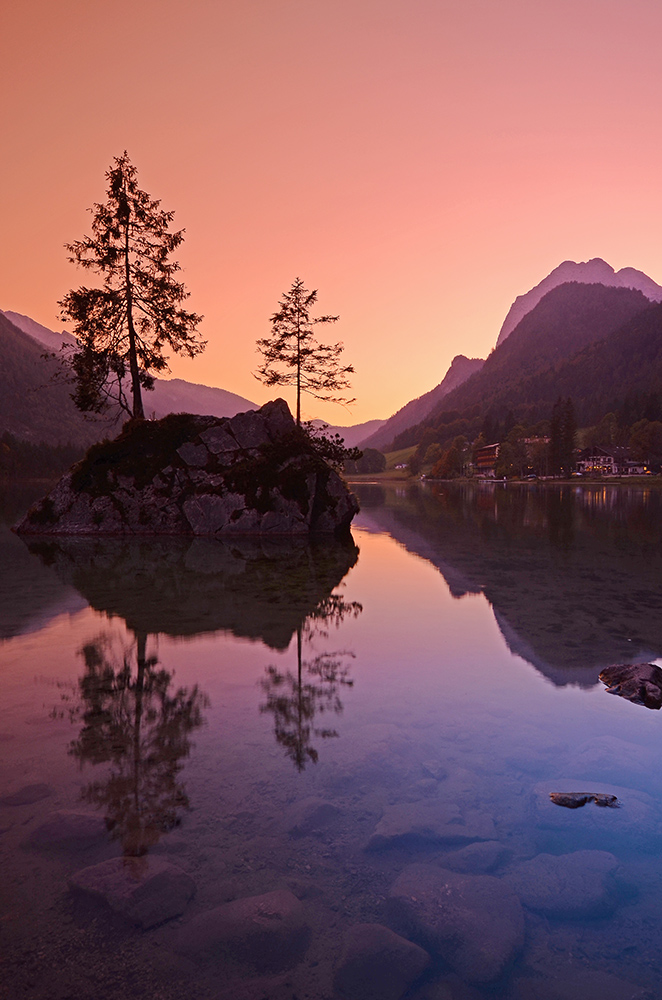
<point x="296" y="699"/>
<point x="134" y="721"/>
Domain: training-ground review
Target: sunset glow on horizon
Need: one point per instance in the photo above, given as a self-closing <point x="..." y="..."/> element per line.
<point x="421" y="164"/>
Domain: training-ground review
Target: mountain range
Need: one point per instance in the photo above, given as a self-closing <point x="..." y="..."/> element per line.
<point x="551" y="334"/>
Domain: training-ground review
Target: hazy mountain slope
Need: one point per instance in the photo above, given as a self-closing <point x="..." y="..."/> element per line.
<point x="417" y="409"/>
<point x="355" y="434"/>
<point x="595" y="271"/>
<point x="53" y="341"/>
<point x="33" y="408"/>
<point x="178" y="396"/>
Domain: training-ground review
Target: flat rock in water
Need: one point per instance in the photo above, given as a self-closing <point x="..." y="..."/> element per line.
<point x="638" y="817"/>
<point x="576" y="800"/>
<point x="145" y="891"/>
<point x="640" y="683"/>
<point x="67" y="828"/>
<point x="429" y="821"/>
<point x="474" y="923"/>
<point x="378" y="964"/>
<point x="268" y="933"/>
<point x="26" y="796"/>
<point x="475" y="859"/>
<point x="310" y="817"/>
<point x="567" y="885"/>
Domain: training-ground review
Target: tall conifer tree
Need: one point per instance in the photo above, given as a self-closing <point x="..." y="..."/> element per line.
<point x="124" y="327"/>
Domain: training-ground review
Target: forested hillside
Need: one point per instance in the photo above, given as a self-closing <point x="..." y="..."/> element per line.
<point x="542" y="358"/>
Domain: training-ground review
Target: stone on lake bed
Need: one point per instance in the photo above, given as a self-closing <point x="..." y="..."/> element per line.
<point x="67" y="828"/>
<point x="26" y="796"/>
<point x="475" y="859"/>
<point x="310" y="817"/>
<point x="475" y="923"/>
<point x="429" y="821"/>
<point x="577" y="885"/>
<point x="267" y="933"/>
<point x="378" y="964"/>
<point x="145" y="891"/>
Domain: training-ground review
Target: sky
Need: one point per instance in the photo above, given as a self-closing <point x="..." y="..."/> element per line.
<point x="419" y="162"/>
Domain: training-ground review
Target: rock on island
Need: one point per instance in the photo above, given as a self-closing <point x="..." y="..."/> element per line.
<point x="256" y="473"/>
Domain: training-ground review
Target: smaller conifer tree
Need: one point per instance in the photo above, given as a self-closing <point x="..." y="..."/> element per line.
<point x="292" y="356"/>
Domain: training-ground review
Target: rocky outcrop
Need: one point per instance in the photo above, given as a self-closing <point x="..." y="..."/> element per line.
<point x="255" y="473"/>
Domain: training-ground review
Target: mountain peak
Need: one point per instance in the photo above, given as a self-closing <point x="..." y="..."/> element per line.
<point x="590" y="272"/>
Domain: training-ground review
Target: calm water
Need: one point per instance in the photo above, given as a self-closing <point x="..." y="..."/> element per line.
<point x="316" y="720"/>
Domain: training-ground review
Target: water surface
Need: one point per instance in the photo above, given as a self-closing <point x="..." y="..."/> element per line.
<point x="272" y="716"/>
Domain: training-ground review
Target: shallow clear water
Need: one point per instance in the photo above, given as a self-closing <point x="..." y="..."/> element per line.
<point x="317" y="719"/>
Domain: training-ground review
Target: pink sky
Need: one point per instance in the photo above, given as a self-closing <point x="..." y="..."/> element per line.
<point x="421" y="163"/>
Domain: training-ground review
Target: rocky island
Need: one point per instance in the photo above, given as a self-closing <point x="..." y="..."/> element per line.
<point x="253" y="474"/>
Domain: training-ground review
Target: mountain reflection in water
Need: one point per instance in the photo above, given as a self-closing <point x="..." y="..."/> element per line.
<point x="572" y="573"/>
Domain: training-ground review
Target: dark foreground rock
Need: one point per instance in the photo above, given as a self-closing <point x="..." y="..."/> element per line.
<point x="267" y="933"/>
<point x="576" y="885"/>
<point x="475" y="923"/>
<point x="255" y="473"/>
<point x="145" y="891"/>
<point x="378" y="964"/>
<point x="640" y="683"/>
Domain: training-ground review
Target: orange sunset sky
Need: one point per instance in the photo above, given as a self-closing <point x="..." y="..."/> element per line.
<point x="421" y="163"/>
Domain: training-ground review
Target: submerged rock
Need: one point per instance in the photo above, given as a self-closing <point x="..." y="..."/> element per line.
<point x="378" y="964"/>
<point x="310" y="817"/>
<point x="567" y="885"/>
<point x="640" y="683"/>
<point x="145" y="891"/>
<point x="474" y="923"/>
<point x="67" y="828"/>
<point x="267" y="933"/>
<point x="255" y="473"/>
<point x="429" y="822"/>
<point x="26" y="796"/>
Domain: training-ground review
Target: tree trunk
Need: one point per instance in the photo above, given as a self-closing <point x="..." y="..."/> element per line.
<point x="136" y="391"/>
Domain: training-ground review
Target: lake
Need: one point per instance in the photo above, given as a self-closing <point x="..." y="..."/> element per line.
<point x="268" y="770"/>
